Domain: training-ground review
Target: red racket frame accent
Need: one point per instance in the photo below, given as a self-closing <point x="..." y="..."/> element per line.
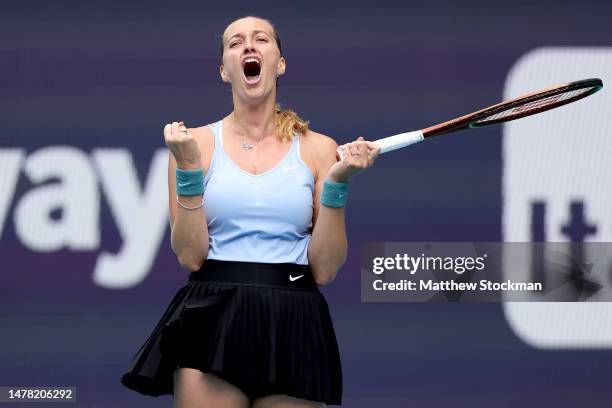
<point x="470" y="120"/>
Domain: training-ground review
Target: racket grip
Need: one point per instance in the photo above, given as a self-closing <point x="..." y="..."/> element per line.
<point x="392" y="142"/>
<point x="398" y="141"/>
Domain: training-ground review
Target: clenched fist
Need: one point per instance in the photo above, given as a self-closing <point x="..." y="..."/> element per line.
<point x="183" y="146"/>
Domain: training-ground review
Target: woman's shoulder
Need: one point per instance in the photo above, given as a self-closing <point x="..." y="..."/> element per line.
<point x="318" y="150"/>
<point x="204" y="134"/>
<point x="318" y="144"/>
<point x="202" y="130"/>
<point x="319" y="139"/>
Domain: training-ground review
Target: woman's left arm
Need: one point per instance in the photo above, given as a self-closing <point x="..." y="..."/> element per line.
<point x="327" y="249"/>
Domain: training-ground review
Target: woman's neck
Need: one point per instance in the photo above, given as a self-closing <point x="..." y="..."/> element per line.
<point x="254" y="121"/>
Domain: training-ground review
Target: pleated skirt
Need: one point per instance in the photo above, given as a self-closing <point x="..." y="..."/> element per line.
<point x="265" y="328"/>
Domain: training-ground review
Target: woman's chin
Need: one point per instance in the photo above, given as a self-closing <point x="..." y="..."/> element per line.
<point x="256" y="92"/>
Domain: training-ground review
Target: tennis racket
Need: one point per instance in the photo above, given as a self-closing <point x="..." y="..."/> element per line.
<point x="512" y="109"/>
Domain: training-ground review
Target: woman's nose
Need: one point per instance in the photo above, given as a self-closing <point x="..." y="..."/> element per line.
<point x="249" y="44"/>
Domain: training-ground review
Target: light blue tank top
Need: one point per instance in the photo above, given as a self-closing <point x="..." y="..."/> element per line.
<point x="258" y="218"/>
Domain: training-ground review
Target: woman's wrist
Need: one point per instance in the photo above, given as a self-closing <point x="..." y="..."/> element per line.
<point x="188" y="166"/>
<point x="189" y="182"/>
<point x="334" y="194"/>
<point x="190" y="202"/>
<point x="336" y="179"/>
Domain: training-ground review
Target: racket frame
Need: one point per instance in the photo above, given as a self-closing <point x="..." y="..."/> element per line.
<point x="471" y="120"/>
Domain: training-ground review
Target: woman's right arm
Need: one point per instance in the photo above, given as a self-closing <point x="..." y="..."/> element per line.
<point x="189" y="230"/>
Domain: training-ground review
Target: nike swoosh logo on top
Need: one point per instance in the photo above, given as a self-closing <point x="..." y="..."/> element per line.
<point x="182" y="184"/>
<point x="292" y="278"/>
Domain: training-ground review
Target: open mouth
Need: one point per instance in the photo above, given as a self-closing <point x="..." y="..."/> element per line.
<point x="252" y="70"/>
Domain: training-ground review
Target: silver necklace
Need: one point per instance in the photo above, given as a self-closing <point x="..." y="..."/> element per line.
<point x="248" y="146"/>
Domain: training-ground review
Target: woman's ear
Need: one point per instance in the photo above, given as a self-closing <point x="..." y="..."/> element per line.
<point x="280" y="68"/>
<point x="224" y="77"/>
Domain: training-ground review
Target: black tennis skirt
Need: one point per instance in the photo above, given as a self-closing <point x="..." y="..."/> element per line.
<point x="265" y="328"/>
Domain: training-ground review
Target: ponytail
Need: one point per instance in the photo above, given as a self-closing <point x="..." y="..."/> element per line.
<point x="288" y="123"/>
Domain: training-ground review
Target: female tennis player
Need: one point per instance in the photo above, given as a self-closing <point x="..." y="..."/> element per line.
<point x="257" y="216"/>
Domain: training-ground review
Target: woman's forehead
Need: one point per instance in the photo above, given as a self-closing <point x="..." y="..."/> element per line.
<point x="246" y="26"/>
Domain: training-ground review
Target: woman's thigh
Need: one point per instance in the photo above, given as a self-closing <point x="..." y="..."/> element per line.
<point x="285" y="401"/>
<point x="193" y="388"/>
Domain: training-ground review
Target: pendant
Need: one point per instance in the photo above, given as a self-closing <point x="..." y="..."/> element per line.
<point x="247" y="146"/>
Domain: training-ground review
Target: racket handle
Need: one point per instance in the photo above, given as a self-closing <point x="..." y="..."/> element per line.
<point x="398" y="141"/>
<point x="392" y="142"/>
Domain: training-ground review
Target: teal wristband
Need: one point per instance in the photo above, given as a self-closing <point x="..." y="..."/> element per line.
<point x="189" y="182"/>
<point x="334" y="195"/>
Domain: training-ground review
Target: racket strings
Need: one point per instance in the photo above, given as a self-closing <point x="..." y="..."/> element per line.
<point x="536" y="105"/>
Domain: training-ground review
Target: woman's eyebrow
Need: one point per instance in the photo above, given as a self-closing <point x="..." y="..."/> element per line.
<point x="254" y="32"/>
<point x="235" y="35"/>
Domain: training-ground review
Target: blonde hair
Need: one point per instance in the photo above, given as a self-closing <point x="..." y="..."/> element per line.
<point x="288" y="123"/>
